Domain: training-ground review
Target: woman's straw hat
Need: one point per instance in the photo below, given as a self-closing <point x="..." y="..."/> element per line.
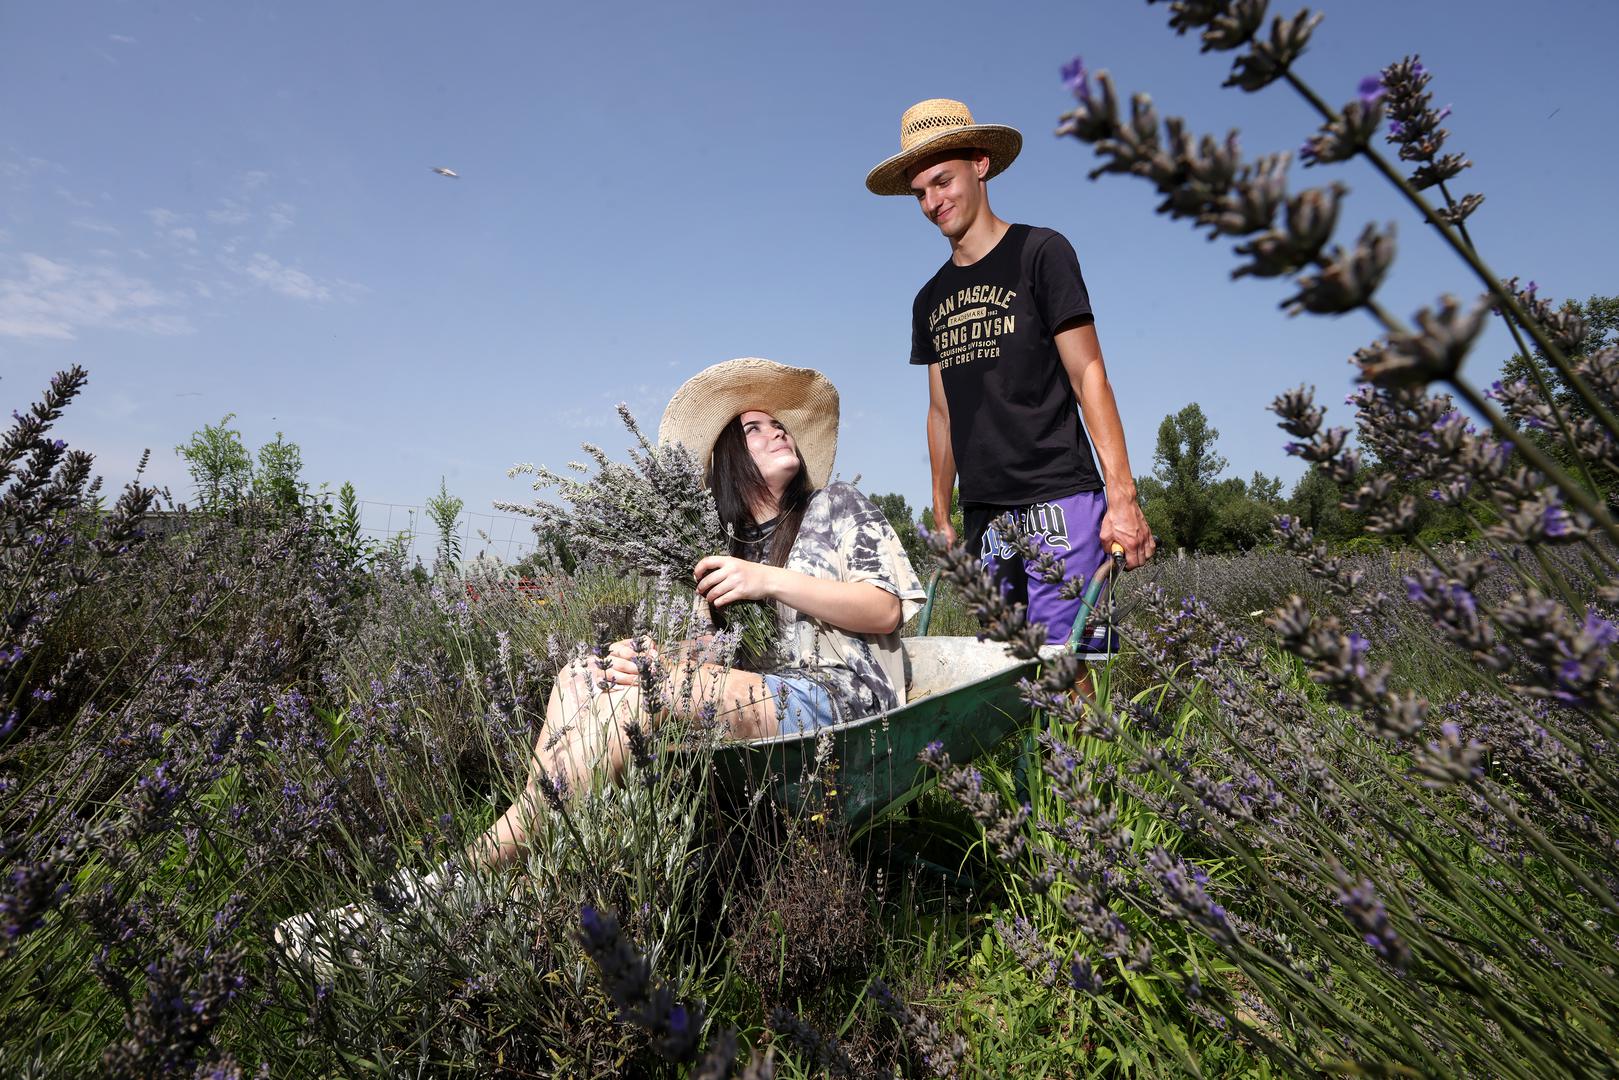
<point x="935" y="125"/>
<point x="801" y="398"/>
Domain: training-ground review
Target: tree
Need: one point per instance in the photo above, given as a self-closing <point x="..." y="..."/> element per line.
<point x="445" y="510"/>
<point x="955" y="520"/>
<point x="899" y="515"/>
<point x="1314" y="503"/>
<point x="1186" y="466"/>
<point x="1243" y="513"/>
<point x="221" y="468"/>
<point x="1265" y="489"/>
<point x="1601" y="317"/>
<point x="278" y="481"/>
<point x="226" y="480"/>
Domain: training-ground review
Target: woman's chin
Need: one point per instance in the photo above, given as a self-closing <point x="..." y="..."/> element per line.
<point x="781" y="471"/>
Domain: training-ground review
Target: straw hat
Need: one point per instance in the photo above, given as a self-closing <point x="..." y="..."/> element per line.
<point x="801" y="398"/>
<point x="938" y="124"/>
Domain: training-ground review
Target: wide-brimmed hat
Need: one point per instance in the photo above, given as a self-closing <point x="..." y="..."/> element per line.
<point x="936" y="125"/>
<point x="801" y="398"/>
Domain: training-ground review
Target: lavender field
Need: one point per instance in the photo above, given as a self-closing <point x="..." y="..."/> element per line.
<point x="1340" y="808"/>
<point x="1321" y="815"/>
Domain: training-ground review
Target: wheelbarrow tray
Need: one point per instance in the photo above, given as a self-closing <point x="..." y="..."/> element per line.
<point x="963" y="695"/>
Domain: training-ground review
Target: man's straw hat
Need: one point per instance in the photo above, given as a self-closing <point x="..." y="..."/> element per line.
<point x="935" y="125"/>
<point x="801" y="398"/>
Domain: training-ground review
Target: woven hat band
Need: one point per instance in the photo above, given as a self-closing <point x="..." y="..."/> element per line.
<point x="928" y="118"/>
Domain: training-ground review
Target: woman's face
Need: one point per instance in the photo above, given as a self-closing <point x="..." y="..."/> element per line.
<point x="772" y="448"/>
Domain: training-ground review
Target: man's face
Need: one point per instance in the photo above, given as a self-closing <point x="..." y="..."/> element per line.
<point x="949" y="189"/>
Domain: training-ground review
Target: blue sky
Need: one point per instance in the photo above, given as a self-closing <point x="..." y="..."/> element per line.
<point x="229" y="208"/>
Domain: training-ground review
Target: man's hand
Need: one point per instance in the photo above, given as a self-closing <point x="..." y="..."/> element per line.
<point x="942" y="527"/>
<point x="1124" y="524"/>
<point x="725" y="579"/>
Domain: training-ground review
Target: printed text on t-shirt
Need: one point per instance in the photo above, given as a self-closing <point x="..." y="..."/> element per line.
<point x="968" y="325"/>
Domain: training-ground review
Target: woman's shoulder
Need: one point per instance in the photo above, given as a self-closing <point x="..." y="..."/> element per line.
<point x="840" y="495"/>
<point x="832" y="511"/>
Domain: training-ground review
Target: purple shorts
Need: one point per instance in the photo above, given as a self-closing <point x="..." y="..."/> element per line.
<point x="1069" y="528"/>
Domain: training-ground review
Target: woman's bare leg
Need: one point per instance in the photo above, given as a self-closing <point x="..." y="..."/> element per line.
<point x="591" y="739"/>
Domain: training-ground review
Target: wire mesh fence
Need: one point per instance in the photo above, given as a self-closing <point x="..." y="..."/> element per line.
<point x="491" y="535"/>
<point x="406" y="527"/>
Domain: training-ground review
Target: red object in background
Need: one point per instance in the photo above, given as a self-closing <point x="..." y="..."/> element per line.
<point x="535" y="587"/>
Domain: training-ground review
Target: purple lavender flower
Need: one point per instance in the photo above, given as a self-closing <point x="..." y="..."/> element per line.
<point x="1077" y="79"/>
<point x="1371" y="88"/>
<point x="1603" y="633"/>
<point x="32" y="890"/>
<point x="1368" y="915"/>
<point x="1182" y="888"/>
<point x="1555" y="521"/>
<point x="1082" y="977"/>
<point x="643" y="1000"/>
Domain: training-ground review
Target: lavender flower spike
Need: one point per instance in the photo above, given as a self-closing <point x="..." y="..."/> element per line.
<point x="1077" y="79"/>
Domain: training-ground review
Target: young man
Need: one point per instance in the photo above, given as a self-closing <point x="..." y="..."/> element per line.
<point x="1006" y="331"/>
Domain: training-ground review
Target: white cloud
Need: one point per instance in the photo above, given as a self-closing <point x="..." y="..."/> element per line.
<point x="230" y="212"/>
<point x="55" y="299"/>
<point x="89" y="225"/>
<point x="187" y="234"/>
<point x="286" y="280"/>
<point x="162" y="218"/>
<point x="20" y="170"/>
<point x="122" y="39"/>
<point x="281" y="216"/>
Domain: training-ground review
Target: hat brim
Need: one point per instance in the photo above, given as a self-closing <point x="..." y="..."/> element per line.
<point x="1000" y="142"/>
<point x="801" y="398"/>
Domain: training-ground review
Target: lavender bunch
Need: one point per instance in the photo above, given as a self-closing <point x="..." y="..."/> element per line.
<point x="650" y="517"/>
<point x="1209" y="182"/>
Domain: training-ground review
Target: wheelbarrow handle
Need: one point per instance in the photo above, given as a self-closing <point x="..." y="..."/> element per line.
<point x="1114" y="564"/>
<point x="927" y="608"/>
<point x="1093" y="592"/>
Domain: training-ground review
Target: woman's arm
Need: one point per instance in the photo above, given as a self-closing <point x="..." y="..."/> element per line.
<point x="858" y="607"/>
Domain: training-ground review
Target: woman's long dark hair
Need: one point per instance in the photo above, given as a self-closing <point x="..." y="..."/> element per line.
<point x="738" y="486"/>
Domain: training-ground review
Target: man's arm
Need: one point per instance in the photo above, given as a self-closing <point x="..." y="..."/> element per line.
<point x="941" y="456"/>
<point x="1124" y="524"/>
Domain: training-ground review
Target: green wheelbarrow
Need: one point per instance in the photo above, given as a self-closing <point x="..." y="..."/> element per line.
<point x="962" y="693"/>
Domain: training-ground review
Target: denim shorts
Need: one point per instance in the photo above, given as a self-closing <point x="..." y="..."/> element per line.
<point x="802" y="704"/>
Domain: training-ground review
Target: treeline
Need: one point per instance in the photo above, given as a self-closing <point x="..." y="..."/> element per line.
<point x="230" y="481"/>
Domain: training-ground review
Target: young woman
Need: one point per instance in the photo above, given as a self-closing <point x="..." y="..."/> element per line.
<point x="821" y="552"/>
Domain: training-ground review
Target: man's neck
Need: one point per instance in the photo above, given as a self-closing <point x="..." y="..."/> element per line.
<point x="979" y="240"/>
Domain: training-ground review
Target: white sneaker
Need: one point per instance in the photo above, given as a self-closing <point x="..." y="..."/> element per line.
<point x="322" y="939"/>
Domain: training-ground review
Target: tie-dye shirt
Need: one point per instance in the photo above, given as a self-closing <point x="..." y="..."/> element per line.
<point x="845" y="537"/>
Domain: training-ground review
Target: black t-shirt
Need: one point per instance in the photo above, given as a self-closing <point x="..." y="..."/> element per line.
<point x="1014" y="423"/>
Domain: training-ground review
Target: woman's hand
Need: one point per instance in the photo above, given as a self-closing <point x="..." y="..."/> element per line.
<point x="621" y="663"/>
<point x="725" y="579"/>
